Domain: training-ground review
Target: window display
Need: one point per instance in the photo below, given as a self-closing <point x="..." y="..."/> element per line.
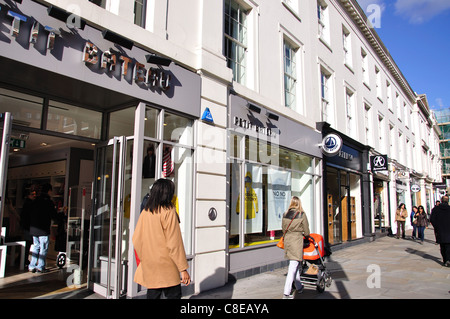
<point x="267" y="187"/>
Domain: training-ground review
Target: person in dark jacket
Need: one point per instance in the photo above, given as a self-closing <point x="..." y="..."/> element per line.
<point x="440" y="219"/>
<point x="421" y="223"/>
<point x="25" y="217"/>
<point x="40" y="221"/>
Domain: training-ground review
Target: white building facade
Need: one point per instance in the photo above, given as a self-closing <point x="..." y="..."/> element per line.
<point x="251" y="89"/>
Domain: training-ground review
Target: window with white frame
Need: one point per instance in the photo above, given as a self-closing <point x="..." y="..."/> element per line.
<point x="382" y="133"/>
<point x="350" y="112"/>
<point x="368" y="123"/>
<point x="347" y="45"/>
<point x="397" y="106"/>
<point x="401" y="146"/>
<point x="290" y="74"/>
<point x="408" y="151"/>
<point x="365" y="67"/>
<point x="323" y="19"/>
<point x="291" y="4"/>
<point x="389" y="96"/>
<point x="140" y="8"/>
<point x="326" y="92"/>
<point x="405" y="114"/>
<point x="236" y="39"/>
<point x="378" y="83"/>
<point x="392" y="139"/>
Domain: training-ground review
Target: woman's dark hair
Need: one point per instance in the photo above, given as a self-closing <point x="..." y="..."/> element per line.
<point x="161" y="195"/>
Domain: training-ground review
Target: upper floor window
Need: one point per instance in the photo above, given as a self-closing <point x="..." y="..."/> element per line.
<point x="139" y="12"/>
<point x="322" y="14"/>
<point x="378" y="79"/>
<point x="290" y="75"/>
<point x="347" y="45"/>
<point x="368" y="123"/>
<point x="389" y="96"/>
<point x="327" y="109"/>
<point x="365" y="67"/>
<point x="236" y="39"/>
<point x="350" y="112"/>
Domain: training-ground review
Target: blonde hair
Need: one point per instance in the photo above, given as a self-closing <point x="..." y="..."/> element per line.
<point x="296" y="204"/>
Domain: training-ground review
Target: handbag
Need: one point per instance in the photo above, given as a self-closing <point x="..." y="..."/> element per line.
<point x="280" y="243"/>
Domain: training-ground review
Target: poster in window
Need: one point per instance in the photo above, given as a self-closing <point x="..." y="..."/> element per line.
<point x="252" y="199"/>
<point x="278" y="197"/>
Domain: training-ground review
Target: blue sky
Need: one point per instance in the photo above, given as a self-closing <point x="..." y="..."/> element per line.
<point x="417" y="35"/>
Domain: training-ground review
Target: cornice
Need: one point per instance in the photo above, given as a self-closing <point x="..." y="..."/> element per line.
<point x="359" y="17"/>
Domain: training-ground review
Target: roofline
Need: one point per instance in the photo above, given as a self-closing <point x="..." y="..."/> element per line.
<point x="359" y="17"/>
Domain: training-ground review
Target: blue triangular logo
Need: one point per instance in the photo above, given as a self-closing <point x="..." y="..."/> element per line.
<point x="207" y="116"/>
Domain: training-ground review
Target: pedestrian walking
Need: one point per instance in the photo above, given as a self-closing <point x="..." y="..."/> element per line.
<point x="295" y="225"/>
<point x="440" y="219"/>
<point x="400" y="217"/>
<point x="159" y="245"/>
<point x="25" y="218"/>
<point x="43" y="211"/>
<point x="421" y="222"/>
<point x="411" y="217"/>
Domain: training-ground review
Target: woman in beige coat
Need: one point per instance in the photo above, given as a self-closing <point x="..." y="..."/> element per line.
<point x="297" y="226"/>
<point x="159" y="246"/>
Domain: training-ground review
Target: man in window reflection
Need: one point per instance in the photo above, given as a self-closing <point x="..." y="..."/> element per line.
<point x="148" y="168"/>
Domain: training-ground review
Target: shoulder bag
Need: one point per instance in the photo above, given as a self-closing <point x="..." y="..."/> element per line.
<point x="281" y="241"/>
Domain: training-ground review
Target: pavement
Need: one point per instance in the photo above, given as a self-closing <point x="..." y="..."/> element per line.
<point x="386" y="268"/>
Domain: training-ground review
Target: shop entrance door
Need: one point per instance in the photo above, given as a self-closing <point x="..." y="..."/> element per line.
<point x="5" y="131"/>
<point x="107" y="266"/>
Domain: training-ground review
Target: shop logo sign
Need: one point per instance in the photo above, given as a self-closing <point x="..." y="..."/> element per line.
<point x="415" y="188"/>
<point x="379" y="163"/>
<point x="331" y="144"/>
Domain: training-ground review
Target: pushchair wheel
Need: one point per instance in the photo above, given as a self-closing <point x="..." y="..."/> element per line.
<point x="321" y="285"/>
<point x="61" y="260"/>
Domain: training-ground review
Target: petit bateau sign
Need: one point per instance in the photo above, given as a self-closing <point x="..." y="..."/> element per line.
<point x="92" y="56"/>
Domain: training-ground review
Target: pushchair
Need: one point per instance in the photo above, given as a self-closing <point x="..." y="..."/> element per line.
<point x="314" y="272"/>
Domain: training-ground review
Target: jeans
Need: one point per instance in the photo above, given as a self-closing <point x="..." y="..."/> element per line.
<point x="421" y="232"/>
<point x="293" y="275"/>
<point x="39" y="251"/>
<point x="414" y="230"/>
<point x="400" y="224"/>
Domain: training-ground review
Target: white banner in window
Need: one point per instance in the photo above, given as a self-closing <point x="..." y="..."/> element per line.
<point x="278" y="197"/>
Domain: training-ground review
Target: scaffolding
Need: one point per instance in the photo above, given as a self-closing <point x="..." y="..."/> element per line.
<point x="443" y="120"/>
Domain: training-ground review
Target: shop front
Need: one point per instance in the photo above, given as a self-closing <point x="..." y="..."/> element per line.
<point x="95" y="116"/>
<point x="271" y="159"/>
<point x="381" y="210"/>
<point x="346" y="191"/>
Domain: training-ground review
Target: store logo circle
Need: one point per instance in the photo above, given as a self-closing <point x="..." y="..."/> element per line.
<point x="331" y="144"/>
<point x="378" y="161"/>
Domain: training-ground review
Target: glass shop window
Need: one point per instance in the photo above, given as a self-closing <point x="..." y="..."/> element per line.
<point x="25" y="109"/>
<point x="121" y="123"/>
<point x="177" y="129"/>
<point x="261" y="188"/>
<point x="73" y="120"/>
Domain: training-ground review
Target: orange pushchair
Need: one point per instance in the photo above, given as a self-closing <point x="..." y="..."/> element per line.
<point x="314" y="272"/>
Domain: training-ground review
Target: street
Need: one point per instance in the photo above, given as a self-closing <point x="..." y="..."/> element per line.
<point x="387" y="268"/>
